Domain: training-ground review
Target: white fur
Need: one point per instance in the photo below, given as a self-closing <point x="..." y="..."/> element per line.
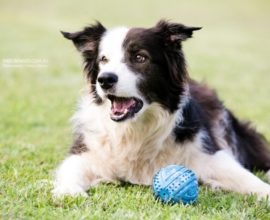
<point x="71" y="177"/>
<point x="221" y="170"/>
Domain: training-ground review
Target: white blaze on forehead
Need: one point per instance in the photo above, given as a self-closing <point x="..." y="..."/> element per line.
<point x="111" y="44"/>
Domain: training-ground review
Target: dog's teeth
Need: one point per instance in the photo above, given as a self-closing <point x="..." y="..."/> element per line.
<point x="126" y="111"/>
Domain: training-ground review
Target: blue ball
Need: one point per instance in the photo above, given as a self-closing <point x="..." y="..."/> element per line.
<point x="175" y="184"/>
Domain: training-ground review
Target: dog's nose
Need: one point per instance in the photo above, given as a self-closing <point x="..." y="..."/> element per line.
<point x="107" y="80"/>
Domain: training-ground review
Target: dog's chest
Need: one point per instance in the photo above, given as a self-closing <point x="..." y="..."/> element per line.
<point x="130" y="151"/>
<point x="134" y="162"/>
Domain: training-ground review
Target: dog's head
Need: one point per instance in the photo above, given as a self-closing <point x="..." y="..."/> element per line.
<point x="136" y="67"/>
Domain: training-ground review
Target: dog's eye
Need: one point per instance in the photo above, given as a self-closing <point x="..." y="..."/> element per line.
<point x="140" y="58"/>
<point x="103" y="59"/>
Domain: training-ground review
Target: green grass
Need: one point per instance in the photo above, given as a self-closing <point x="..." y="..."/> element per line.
<point x="231" y="53"/>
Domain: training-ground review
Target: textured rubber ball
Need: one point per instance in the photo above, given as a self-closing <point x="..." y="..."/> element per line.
<point x="175" y="184"/>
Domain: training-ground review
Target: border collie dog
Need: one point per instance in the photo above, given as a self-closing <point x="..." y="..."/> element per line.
<point x="141" y="112"/>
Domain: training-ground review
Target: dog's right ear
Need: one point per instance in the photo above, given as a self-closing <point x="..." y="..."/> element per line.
<point x="86" y="40"/>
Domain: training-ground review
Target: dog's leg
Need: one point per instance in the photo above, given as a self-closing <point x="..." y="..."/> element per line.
<point x="221" y="170"/>
<point x="74" y="176"/>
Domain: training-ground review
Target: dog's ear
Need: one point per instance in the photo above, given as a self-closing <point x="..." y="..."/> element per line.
<point x="86" y="40"/>
<point x="174" y="32"/>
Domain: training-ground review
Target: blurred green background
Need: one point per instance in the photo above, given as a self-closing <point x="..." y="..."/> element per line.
<point x="231" y="53"/>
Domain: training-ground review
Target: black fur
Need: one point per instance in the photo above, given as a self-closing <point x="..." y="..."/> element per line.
<point x="194" y="121"/>
<point x="78" y="145"/>
<point x="191" y="124"/>
<point x="252" y="149"/>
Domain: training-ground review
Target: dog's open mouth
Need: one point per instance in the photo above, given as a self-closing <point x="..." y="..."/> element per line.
<point x="124" y="107"/>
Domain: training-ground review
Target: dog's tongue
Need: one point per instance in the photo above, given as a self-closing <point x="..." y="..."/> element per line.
<point x="122" y="105"/>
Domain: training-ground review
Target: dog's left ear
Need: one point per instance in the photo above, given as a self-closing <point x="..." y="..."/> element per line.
<point x="175" y="32"/>
<point x="87" y="42"/>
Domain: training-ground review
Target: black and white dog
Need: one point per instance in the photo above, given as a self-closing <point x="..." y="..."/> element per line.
<point x="141" y="112"/>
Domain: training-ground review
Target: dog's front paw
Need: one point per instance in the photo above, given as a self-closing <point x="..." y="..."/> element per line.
<point x="61" y="190"/>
